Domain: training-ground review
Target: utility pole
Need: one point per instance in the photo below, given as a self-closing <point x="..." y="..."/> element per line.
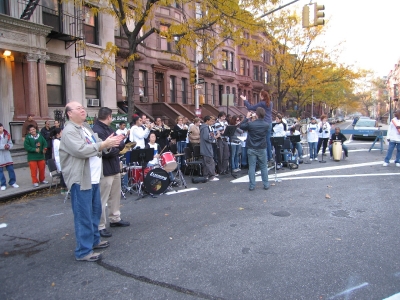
<point x="196" y="91"/>
<point x="312" y="103"/>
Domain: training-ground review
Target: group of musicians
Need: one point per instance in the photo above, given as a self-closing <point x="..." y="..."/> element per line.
<point x="159" y="136"/>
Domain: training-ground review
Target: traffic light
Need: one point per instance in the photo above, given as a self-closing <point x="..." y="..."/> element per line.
<point x="319" y="14"/>
<point x="306" y="16"/>
<point x="193" y="76"/>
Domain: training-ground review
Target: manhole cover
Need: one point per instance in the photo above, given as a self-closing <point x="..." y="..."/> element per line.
<point x="281" y="213"/>
<point x="341" y="213"/>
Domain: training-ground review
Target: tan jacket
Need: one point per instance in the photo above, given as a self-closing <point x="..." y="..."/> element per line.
<point x="75" y="153"/>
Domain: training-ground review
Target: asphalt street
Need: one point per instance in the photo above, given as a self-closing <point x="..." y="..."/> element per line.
<point x="326" y="231"/>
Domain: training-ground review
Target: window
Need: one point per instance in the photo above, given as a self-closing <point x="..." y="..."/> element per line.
<point x="242" y="67"/>
<point x="261" y="74"/>
<point x="3" y="7"/>
<point x="51" y="4"/>
<point x="225" y="60"/>
<point x="228" y="90"/>
<point x="231" y="61"/>
<point x="255" y="73"/>
<point x="199" y="13"/>
<point x="213" y="93"/>
<point x="92" y="85"/>
<point x="266" y="77"/>
<point x="55" y="84"/>
<point x="122" y="84"/>
<point x="90" y="26"/>
<point x="234" y="96"/>
<point x="248" y="68"/>
<point x="164" y="45"/>
<point x="142" y="83"/>
<point x="172" y="88"/>
<point x="206" y="92"/>
<point x="184" y="90"/>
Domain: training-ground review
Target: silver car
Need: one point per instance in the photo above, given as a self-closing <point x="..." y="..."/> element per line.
<point x="367" y="129"/>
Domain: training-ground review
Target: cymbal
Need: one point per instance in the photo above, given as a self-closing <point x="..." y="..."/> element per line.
<point x="127" y="147"/>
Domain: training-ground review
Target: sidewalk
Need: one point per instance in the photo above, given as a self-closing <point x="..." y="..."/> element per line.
<point x="25" y="184"/>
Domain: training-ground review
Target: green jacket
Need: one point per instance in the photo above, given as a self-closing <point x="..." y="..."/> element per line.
<point x="30" y="145"/>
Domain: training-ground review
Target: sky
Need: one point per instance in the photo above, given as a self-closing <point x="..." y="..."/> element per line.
<point x="368" y="29"/>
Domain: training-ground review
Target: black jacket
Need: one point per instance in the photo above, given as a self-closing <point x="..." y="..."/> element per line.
<point x="111" y="159"/>
<point x="340" y="136"/>
<point x="256" y="133"/>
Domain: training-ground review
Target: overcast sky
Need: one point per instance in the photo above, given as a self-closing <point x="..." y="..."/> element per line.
<point x="370" y="30"/>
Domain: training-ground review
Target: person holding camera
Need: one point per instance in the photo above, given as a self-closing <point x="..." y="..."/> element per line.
<point x="323" y="134"/>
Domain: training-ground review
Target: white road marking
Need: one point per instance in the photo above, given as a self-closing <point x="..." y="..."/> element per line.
<point x="292" y="174"/>
<point x="3" y="225"/>
<point x="348" y="291"/>
<point x="182" y="191"/>
<point x="393" y="297"/>
<point x="341" y="176"/>
<point x="55" y="215"/>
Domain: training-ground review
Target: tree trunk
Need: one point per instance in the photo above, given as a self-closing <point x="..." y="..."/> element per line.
<point x="131" y="93"/>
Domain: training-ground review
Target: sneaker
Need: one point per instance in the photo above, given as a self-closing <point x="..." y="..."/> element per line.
<point x="236" y="170"/>
<point x="316" y="158"/>
<point x="15" y="185"/>
<point x="102" y="245"/>
<point x="3" y="188"/>
<point x="214" y="179"/>
<point x="35" y="184"/>
<point x="385" y="164"/>
<point x="397" y="164"/>
<point x="62" y="191"/>
<point x="44" y="182"/>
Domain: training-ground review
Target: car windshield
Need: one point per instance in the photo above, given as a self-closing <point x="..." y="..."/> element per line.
<point x="365" y="123"/>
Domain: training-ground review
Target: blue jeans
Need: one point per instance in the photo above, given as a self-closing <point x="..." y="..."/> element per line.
<point x="257" y="156"/>
<point x="269" y="146"/>
<point x="86" y="206"/>
<point x="244" y="156"/>
<point x="313" y="149"/>
<point x="235" y="156"/>
<point x="390" y="152"/>
<point x="11" y="175"/>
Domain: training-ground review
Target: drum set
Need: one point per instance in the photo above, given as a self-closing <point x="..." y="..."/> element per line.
<point x="148" y="180"/>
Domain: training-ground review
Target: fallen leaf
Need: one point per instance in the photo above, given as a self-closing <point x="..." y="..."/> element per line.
<point x="170" y="238"/>
<point x="272" y="183"/>
<point x="5" y="253"/>
<point x="327" y="196"/>
<point x="53" y="284"/>
<point x="67" y="234"/>
<point x="329" y="186"/>
<point x="338" y="239"/>
<point x="166" y="214"/>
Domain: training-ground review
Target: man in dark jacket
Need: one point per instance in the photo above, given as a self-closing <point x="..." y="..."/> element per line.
<point x="110" y="183"/>
<point x="207" y="139"/>
<point x="256" y="144"/>
<point x="46" y="133"/>
<point x="338" y="136"/>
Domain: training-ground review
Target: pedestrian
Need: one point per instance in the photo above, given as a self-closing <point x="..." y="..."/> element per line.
<point x="110" y="182"/>
<point x="36" y="146"/>
<point x="268" y="105"/>
<point x="29" y="121"/>
<point x="279" y="130"/>
<point x="312" y="138"/>
<point x="80" y="157"/>
<point x="57" y="132"/>
<point x="256" y="146"/>
<point x="393" y="137"/>
<point x="6" y="160"/>
<point x="207" y="138"/>
<point x="323" y="134"/>
<point x="46" y="132"/>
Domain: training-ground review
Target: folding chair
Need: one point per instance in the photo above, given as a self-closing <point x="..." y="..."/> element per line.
<point x="54" y="173"/>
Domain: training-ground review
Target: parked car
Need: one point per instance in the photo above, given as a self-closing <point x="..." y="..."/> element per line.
<point x="331" y="121"/>
<point x="365" y="126"/>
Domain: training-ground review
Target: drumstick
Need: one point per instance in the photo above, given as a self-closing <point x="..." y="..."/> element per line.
<point x="163" y="150"/>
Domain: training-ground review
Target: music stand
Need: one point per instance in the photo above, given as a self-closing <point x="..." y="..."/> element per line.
<point x="277" y="142"/>
<point x="180" y="136"/>
<point x="294" y="139"/>
<point x="142" y="156"/>
<point x="229" y="132"/>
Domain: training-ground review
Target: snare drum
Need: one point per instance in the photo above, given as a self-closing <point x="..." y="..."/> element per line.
<point x="136" y="173"/>
<point x="168" y="162"/>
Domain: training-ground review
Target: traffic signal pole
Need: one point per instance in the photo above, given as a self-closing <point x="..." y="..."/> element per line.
<point x="196" y="91"/>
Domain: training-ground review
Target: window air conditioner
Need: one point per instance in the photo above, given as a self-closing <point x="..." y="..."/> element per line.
<point x="93" y="102"/>
<point x="144" y="99"/>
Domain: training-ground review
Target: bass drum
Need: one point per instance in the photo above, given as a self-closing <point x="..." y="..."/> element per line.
<point x="156" y="181"/>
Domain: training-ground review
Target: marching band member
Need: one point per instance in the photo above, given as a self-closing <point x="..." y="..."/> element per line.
<point x="222" y="144"/>
<point x="137" y="133"/>
<point x="323" y="134"/>
<point x="207" y="138"/>
<point x="279" y="130"/>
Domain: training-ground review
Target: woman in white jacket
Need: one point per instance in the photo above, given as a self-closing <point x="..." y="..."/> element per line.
<point x="312" y="138"/>
<point x="324" y="134"/>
